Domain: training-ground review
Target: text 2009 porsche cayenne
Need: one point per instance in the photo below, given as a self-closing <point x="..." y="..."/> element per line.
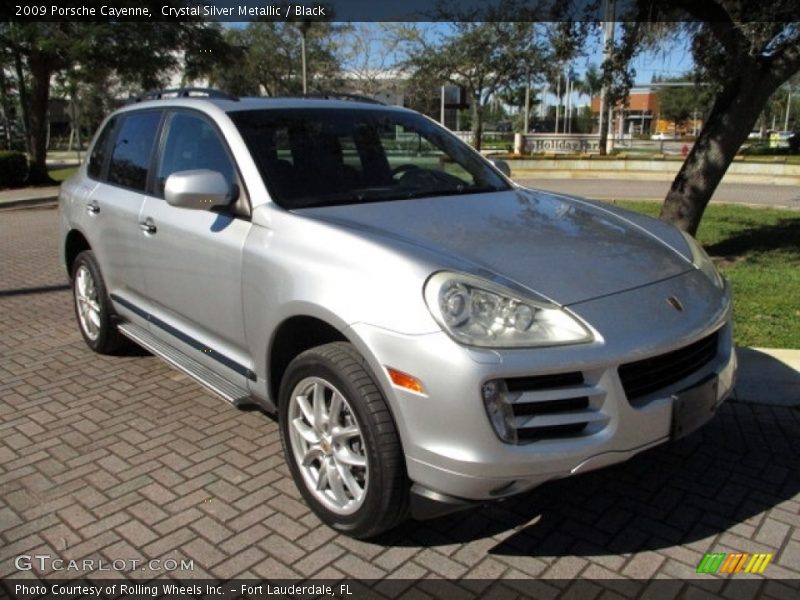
<point x="430" y="334"/>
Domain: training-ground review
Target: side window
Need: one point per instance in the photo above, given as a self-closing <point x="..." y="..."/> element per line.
<point x="193" y="143"/>
<point x="133" y="149"/>
<point x="100" y="151"/>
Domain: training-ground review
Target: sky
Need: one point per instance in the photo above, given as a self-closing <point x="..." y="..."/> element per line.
<point x="672" y="60"/>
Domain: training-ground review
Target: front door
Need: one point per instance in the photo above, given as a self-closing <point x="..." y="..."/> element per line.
<point x="193" y="258"/>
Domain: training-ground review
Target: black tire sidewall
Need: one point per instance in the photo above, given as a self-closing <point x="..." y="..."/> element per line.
<point x="311" y="364"/>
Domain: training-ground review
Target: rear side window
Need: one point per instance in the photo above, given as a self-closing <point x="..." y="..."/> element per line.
<point x="133" y="149"/>
<point x="100" y="151"/>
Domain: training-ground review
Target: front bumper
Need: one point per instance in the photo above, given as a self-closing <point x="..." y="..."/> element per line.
<point x="450" y="445"/>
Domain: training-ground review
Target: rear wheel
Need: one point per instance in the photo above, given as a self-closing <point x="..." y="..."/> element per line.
<point x="93" y="307"/>
<point x="341" y="443"/>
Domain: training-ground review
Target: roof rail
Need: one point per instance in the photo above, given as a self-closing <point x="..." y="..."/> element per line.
<point x="183" y="92"/>
<point x="343" y="96"/>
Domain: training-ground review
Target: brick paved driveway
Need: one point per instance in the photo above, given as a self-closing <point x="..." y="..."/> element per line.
<point x="124" y="458"/>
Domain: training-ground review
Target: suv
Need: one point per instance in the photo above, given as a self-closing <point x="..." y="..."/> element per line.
<point x="430" y="334"/>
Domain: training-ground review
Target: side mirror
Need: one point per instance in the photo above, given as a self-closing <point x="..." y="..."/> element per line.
<point x="503" y="167"/>
<point x="200" y="189"/>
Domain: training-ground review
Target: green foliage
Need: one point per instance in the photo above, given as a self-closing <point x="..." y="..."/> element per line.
<point x="268" y="57"/>
<point x="765" y="150"/>
<point x="482" y="57"/>
<point x="13" y="169"/>
<point x="63" y="173"/>
<point x="92" y="61"/>
<point x="680" y="103"/>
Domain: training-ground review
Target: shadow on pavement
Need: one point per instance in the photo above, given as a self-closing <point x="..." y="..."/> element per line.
<point x="765" y="379"/>
<point x="45" y="289"/>
<point x="742" y="463"/>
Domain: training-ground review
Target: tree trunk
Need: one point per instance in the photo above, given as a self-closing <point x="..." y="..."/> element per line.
<point x="6" y="107"/>
<point x="731" y="119"/>
<point x="477" y="121"/>
<point x="23" y="99"/>
<point x="40" y="95"/>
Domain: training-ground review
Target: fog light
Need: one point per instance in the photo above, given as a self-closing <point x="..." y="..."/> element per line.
<point x="498" y="408"/>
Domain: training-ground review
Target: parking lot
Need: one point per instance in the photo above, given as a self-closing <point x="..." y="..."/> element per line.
<point x="125" y="459"/>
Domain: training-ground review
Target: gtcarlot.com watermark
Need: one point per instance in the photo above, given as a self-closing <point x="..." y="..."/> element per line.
<point x="48" y="563"/>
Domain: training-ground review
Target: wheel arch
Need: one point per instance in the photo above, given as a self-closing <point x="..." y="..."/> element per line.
<point x="292" y="337"/>
<point x="74" y="244"/>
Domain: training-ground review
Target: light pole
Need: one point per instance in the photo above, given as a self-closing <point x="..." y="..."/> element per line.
<point x="558" y="100"/>
<point x="304" y="26"/>
<point x="788" y="108"/>
<point x="608" y="44"/>
<point x="527" y="101"/>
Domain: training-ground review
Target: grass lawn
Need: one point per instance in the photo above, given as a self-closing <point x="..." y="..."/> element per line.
<point x="758" y="251"/>
<point x="63" y="173"/>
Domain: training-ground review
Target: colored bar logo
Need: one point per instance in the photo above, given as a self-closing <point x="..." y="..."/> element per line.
<point x="735" y="562"/>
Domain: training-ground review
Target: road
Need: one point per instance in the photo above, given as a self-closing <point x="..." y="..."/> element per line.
<point x="122" y="457"/>
<point x="780" y="196"/>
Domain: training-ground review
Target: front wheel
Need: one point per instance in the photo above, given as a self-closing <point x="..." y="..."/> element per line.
<point x="341" y="443"/>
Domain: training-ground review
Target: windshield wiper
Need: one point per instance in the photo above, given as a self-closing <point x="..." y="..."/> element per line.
<point x="348" y="197"/>
<point x="450" y="192"/>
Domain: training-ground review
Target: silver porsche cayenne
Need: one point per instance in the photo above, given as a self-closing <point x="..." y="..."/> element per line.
<point x="429" y="334"/>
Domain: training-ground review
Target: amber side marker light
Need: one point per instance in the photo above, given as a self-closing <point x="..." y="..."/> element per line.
<point x="404" y="380"/>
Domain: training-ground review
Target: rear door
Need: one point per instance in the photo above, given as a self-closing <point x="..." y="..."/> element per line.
<point x="193" y="258"/>
<point x="120" y="164"/>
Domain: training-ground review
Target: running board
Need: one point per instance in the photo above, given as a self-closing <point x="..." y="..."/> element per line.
<point x="201" y="374"/>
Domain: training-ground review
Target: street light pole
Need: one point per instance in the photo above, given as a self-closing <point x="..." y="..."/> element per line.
<point x="788" y="108"/>
<point x="303" y="51"/>
<point x="525" y="126"/>
<point x="558" y="100"/>
<point x="608" y="43"/>
<point x="304" y="26"/>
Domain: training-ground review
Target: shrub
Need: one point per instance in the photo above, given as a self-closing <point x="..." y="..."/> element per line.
<point x="13" y="169"/>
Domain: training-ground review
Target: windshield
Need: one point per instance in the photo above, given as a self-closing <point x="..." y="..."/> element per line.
<point x="323" y="157"/>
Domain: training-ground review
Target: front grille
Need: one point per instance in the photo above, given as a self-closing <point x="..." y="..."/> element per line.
<point x="543" y="382"/>
<point x="646" y="376"/>
<point x="553" y="406"/>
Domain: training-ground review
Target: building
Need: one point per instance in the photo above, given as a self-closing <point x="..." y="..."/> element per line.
<point x="641" y="113"/>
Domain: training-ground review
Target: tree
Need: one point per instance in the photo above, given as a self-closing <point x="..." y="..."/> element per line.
<point x="482" y="57"/>
<point x="746" y="51"/>
<point x="370" y="52"/>
<point x="137" y="55"/>
<point x="592" y="82"/>
<point x="270" y="59"/>
<point x="682" y="102"/>
<point x="591" y="85"/>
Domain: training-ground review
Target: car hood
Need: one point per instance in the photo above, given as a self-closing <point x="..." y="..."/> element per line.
<point x="562" y="248"/>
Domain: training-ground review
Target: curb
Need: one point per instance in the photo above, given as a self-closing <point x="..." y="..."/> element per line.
<point x="768" y="376"/>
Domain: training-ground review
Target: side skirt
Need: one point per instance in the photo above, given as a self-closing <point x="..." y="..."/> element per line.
<point x="234" y="394"/>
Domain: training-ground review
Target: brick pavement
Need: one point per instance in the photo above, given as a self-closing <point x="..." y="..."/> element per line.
<point x="108" y="458"/>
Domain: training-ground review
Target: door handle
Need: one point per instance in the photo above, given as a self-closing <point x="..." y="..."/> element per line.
<point x="93" y="207"/>
<point x="148" y="226"/>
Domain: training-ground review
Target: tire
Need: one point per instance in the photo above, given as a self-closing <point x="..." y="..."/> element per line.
<point x="96" y="318"/>
<point x="354" y="476"/>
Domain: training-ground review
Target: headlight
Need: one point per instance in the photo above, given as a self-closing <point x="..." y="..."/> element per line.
<point x="702" y="261"/>
<point x="477" y="312"/>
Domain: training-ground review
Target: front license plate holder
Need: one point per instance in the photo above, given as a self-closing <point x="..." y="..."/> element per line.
<point x="692" y="407"/>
